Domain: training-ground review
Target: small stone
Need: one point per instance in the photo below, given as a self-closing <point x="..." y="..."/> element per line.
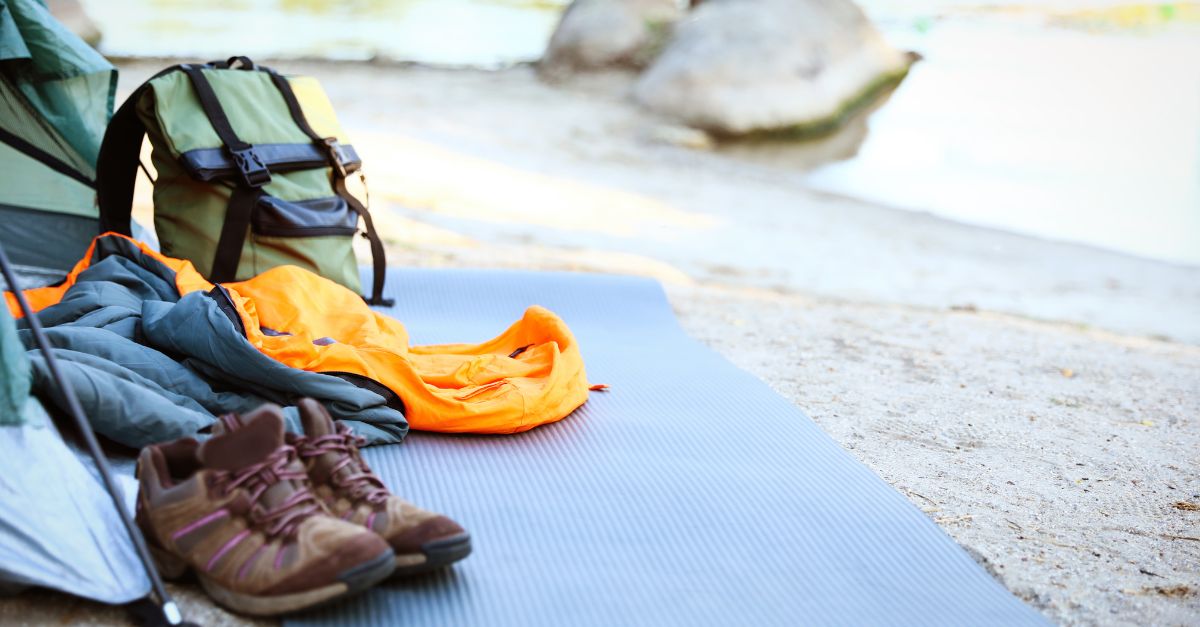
<point x="603" y="34"/>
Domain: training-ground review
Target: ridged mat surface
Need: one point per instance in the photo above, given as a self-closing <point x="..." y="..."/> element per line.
<point x="688" y="494"/>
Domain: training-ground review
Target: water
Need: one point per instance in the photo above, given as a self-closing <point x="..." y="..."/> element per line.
<point x="1074" y="125"/>
<point x="443" y="32"/>
<point x="1077" y="121"/>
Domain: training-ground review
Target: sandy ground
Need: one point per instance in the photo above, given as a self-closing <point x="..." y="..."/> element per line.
<point x="1038" y="400"/>
<point x="1063" y="460"/>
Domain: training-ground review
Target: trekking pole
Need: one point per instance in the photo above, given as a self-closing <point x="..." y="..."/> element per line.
<point x="170" y="611"/>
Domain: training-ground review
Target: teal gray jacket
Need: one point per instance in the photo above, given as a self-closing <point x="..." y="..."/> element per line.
<point x="150" y="366"/>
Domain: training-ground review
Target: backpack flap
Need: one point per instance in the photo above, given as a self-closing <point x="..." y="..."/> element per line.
<point x="216" y="164"/>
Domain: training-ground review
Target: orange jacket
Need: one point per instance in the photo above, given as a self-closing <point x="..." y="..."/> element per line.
<point x="450" y="388"/>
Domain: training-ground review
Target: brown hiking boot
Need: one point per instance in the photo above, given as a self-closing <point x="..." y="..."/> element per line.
<point x="423" y="541"/>
<point x="239" y="510"/>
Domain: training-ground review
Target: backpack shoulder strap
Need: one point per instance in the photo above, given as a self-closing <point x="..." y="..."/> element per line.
<point x="117" y="164"/>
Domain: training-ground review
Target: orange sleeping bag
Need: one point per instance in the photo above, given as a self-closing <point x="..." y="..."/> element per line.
<point x="529" y="375"/>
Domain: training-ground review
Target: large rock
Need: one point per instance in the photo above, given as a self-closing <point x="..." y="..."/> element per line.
<point x="601" y="34"/>
<point x="789" y="67"/>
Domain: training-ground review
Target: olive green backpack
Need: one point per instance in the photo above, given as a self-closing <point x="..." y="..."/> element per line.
<point x="252" y="171"/>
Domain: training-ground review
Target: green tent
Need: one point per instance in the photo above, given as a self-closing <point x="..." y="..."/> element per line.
<point x="56" y="97"/>
<point x="58" y="528"/>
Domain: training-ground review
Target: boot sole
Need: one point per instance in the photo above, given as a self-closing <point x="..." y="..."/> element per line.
<point x="434" y="555"/>
<point x="350" y="582"/>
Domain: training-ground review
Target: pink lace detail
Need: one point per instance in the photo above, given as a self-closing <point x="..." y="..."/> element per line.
<point x="249" y="563"/>
<point x="279" y="556"/>
<point x="361" y="482"/>
<point x="234" y="541"/>
<point x="196" y="524"/>
<point x="284" y="518"/>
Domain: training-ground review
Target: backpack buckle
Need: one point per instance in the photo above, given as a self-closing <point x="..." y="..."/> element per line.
<point x="337" y="157"/>
<point x="253" y="169"/>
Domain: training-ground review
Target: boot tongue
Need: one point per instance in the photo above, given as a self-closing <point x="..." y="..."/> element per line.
<point x="315" y="418"/>
<point x="233" y="450"/>
<point x="317" y="422"/>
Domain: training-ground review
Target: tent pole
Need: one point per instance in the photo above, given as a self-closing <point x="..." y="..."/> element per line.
<point x="170" y="611"/>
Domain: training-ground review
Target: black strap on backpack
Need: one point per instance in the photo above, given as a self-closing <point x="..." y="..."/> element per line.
<point x="120" y="154"/>
<point x="117" y="165"/>
<point x="337" y="161"/>
<point x="245" y="192"/>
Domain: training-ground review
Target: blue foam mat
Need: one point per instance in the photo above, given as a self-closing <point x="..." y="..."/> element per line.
<point x="690" y="494"/>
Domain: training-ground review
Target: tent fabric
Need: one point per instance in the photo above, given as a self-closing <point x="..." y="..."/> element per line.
<point x="70" y="85"/>
<point x="56" y="97"/>
<point x="58" y="528"/>
<point x="15" y="378"/>
<point x="688" y="494"/>
<point x="31" y="150"/>
<point x="43" y="242"/>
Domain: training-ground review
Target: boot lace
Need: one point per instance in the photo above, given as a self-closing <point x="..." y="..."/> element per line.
<point x="361" y="483"/>
<point x="285" y="517"/>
